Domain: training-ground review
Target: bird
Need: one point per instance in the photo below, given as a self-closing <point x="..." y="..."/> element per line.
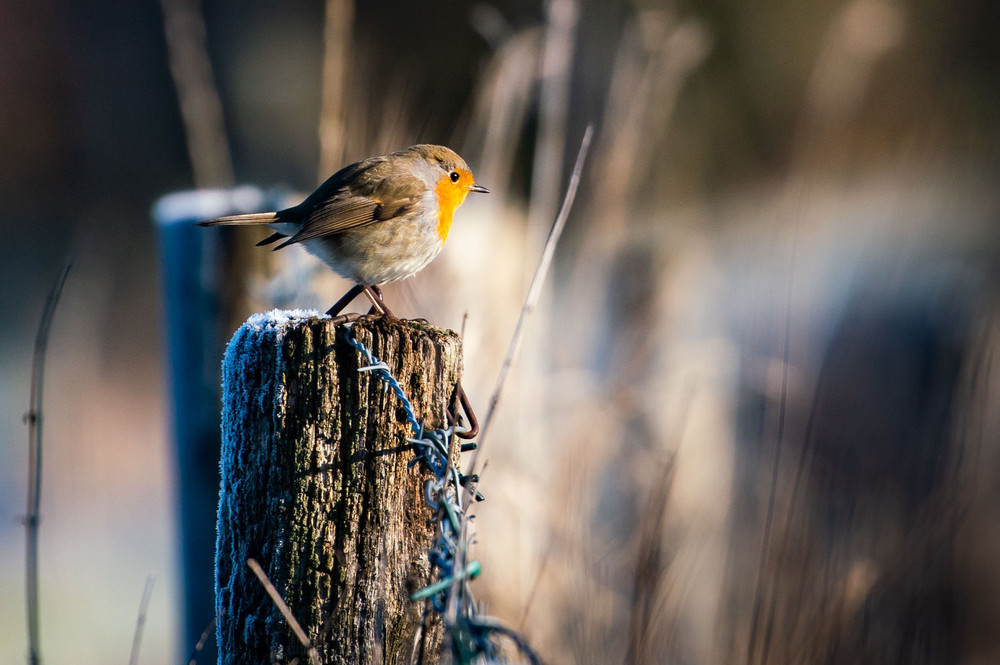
<point x="375" y="221"/>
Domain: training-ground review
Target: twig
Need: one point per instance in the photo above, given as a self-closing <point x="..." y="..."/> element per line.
<point x="201" y="108"/>
<point x="337" y="48"/>
<point x="651" y="564"/>
<point x="765" y="542"/>
<point x="536" y="584"/>
<point x="536" y="284"/>
<point x="203" y="639"/>
<point x="283" y="608"/>
<point x="140" y="620"/>
<point x="553" y="104"/>
<point x="34" y="420"/>
<point x="541" y="270"/>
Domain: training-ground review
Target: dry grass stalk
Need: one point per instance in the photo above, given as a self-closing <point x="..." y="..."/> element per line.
<point x="34" y="420"/>
<point x="557" y="56"/>
<point x="202" y="640"/>
<point x="541" y="271"/>
<point x="285" y="611"/>
<point x="140" y="620"/>
<point x="201" y="108"/>
<point x="651" y="563"/>
<point x="503" y="99"/>
<point x="336" y="56"/>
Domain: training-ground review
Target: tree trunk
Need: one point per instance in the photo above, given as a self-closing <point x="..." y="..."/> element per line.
<point x="316" y="487"/>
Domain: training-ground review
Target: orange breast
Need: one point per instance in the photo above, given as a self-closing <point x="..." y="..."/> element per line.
<point x="449" y="196"/>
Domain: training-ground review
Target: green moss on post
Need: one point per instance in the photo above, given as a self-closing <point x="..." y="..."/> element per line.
<point x="316" y="487"/>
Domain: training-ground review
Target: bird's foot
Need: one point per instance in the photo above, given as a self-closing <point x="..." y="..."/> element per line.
<point x="374" y="294"/>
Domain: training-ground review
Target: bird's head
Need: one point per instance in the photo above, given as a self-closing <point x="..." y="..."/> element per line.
<point x="450" y="178"/>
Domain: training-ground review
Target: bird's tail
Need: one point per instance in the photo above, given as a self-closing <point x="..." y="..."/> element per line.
<point x="251" y="219"/>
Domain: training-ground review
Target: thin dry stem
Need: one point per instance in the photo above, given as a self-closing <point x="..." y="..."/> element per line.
<point x="650" y="570"/>
<point x="283" y="608"/>
<point x="536" y="584"/>
<point x="649" y="75"/>
<point x="337" y="45"/>
<point x="193" y="659"/>
<point x="502" y="103"/>
<point x="34" y="419"/>
<point x="544" y="263"/>
<point x="140" y="620"/>
<point x="557" y="55"/>
<point x="201" y="108"/>
<point x="766" y="543"/>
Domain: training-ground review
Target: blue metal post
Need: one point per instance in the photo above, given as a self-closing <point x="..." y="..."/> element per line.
<point x="194" y="333"/>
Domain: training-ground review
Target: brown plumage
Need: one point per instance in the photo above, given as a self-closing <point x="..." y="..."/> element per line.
<point x="378" y="220"/>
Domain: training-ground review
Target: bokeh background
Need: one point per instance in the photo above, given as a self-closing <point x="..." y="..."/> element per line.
<point x="756" y="417"/>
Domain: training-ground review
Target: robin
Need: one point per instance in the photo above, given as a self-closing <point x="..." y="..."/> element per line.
<point x="376" y="221"/>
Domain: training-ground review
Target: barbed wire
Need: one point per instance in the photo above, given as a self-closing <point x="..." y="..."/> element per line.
<point x="472" y="635"/>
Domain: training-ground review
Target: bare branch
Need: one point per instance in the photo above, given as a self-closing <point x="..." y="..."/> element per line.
<point x="201" y="108"/>
<point x="544" y="263"/>
<point x="34" y="420"/>
<point x="202" y="640"/>
<point x="337" y="48"/>
<point x="140" y="621"/>
<point x="285" y="612"/>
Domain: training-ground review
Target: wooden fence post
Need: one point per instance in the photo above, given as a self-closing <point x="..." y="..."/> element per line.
<point x="316" y="486"/>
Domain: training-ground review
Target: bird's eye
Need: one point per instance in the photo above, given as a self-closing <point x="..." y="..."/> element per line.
<point x="454" y="176"/>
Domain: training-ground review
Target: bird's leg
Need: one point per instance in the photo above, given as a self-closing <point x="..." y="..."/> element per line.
<point x="374" y="294"/>
<point x="346" y="300"/>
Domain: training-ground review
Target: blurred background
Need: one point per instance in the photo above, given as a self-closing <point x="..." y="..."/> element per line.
<point x="755" y="419"/>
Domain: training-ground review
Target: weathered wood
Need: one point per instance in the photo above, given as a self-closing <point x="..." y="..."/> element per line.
<point x="316" y="487"/>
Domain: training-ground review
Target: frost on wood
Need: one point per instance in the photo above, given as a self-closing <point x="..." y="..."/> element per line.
<point x="316" y="487"/>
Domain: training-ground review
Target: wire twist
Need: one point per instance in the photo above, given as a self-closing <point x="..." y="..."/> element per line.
<point x="441" y="493"/>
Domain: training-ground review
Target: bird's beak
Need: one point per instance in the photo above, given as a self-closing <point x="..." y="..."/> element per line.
<point x="478" y="188"/>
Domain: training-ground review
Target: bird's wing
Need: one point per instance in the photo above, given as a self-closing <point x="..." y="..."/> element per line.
<point x="335" y="217"/>
<point x="348" y="209"/>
